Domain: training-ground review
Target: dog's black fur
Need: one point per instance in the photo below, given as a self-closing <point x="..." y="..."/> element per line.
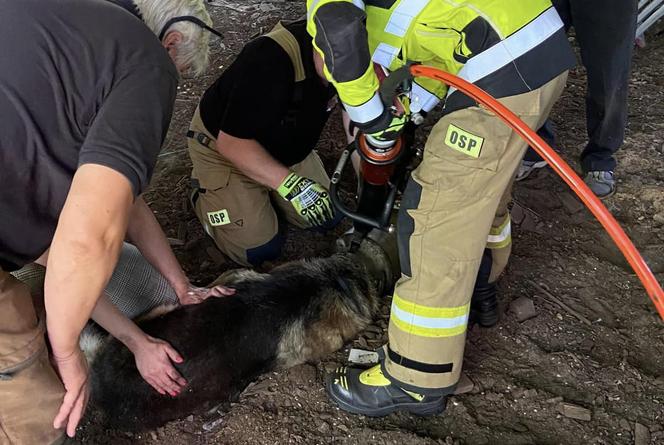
<point x="300" y="311"/>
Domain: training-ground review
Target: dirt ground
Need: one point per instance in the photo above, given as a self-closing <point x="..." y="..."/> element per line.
<point x="602" y="349"/>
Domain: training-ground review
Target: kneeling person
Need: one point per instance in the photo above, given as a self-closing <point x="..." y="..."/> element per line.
<point x="251" y="143"/>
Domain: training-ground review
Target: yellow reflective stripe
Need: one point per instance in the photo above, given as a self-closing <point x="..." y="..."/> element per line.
<point x="427" y="311"/>
<point x="500" y="236"/>
<point x="428" y="332"/>
<point x="500" y="244"/>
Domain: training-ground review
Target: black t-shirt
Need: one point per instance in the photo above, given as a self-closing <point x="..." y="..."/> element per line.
<point x="81" y="81"/>
<point x="257" y="98"/>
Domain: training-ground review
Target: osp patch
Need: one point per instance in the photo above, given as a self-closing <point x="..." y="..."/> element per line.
<point x="219" y="218"/>
<point x="463" y="141"/>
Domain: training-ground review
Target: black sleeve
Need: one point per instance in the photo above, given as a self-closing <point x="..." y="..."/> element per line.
<point x="131" y="124"/>
<point x="259" y="90"/>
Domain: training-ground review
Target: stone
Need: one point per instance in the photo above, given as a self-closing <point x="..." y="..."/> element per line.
<point x="641" y="434"/>
<point x="190" y="418"/>
<point x="575" y="412"/>
<point x="625" y="425"/>
<point x="212" y="425"/>
<point x="659" y="217"/>
<point x="465" y="385"/>
<point x="523" y="308"/>
<point x="571" y="203"/>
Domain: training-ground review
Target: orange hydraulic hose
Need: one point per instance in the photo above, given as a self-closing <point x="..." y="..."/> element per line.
<point x="579" y="187"/>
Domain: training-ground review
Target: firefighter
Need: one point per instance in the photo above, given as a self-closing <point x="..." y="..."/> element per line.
<point x="251" y="144"/>
<point x="457" y="198"/>
<point x="86" y="94"/>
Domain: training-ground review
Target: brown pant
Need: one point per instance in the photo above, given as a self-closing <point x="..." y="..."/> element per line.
<point x="454" y="206"/>
<point x="240" y="214"/>
<point x="30" y="391"/>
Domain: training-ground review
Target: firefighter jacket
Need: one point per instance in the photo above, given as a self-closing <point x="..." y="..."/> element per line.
<point x="506" y="47"/>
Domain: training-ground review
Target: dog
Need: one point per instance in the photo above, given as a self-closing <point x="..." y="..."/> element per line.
<point x="298" y="312"/>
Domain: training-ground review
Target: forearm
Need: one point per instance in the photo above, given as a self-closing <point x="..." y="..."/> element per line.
<point x="145" y="232"/>
<point x="252" y="159"/>
<point x="110" y="318"/>
<point x="83" y="253"/>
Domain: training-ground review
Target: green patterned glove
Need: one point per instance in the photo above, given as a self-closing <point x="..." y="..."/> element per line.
<point x="391" y="123"/>
<point x="310" y="199"/>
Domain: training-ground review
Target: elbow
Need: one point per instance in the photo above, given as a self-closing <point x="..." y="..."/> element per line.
<point x="88" y="248"/>
<point x="341" y="35"/>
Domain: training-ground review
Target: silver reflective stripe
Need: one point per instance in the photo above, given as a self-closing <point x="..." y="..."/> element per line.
<point x="421" y="99"/>
<point x="403" y="16"/>
<point x="513" y="47"/>
<point x="312" y="8"/>
<point x="429" y="322"/>
<point x="385" y="54"/>
<point x="366" y="112"/>
<point x="359" y="4"/>
<point x="504" y="234"/>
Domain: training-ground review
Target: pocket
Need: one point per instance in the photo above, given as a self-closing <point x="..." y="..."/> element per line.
<point x="476" y="138"/>
<point x="21" y="332"/>
<point x="211" y="178"/>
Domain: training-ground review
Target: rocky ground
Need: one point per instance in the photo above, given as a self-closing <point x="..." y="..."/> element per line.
<point x="586" y="368"/>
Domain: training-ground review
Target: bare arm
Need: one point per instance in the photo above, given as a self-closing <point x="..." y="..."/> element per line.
<point x="145" y="233"/>
<point x="153" y="356"/>
<point x="84" y="251"/>
<point x="252" y="159"/>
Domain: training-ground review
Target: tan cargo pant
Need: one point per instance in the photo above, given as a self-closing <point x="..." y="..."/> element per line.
<point x="30" y="390"/>
<point x="240" y="214"/>
<point x="456" y="198"/>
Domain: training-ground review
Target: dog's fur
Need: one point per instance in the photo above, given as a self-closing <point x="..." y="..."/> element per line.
<point x="300" y="311"/>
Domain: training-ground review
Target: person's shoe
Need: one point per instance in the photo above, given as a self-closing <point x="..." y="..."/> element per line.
<point x="484" y="305"/>
<point x="527" y="167"/>
<point x="370" y="393"/>
<point x="602" y="183"/>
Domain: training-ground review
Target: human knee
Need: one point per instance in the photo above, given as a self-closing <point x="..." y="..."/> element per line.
<point x="268" y="251"/>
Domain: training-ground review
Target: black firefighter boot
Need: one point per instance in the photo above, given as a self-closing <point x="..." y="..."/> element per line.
<point x="484" y="304"/>
<point x="370" y="393"/>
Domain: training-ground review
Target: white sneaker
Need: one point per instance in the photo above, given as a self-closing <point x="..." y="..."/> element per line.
<point x="527" y="167"/>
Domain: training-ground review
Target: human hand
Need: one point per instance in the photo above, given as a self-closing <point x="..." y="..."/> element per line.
<point x="153" y="361"/>
<point x="391" y="124"/>
<point x="194" y="295"/>
<point x="73" y="371"/>
<point x="310" y="199"/>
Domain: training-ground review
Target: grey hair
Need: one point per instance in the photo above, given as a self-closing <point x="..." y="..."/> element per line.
<point x="194" y="50"/>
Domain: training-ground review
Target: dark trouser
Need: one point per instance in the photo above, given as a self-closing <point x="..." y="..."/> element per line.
<point x="605" y="32"/>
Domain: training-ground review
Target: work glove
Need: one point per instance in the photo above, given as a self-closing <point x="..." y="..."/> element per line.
<point x="391" y="123"/>
<point x="310" y="199"/>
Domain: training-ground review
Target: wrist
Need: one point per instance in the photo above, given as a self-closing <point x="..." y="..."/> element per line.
<point x="181" y="287"/>
<point x="133" y="341"/>
<point x="287" y="184"/>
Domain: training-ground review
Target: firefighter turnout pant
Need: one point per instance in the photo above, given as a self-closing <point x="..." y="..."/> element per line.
<point x="30" y="390"/>
<point x="455" y="201"/>
<point x="241" y="215"/>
